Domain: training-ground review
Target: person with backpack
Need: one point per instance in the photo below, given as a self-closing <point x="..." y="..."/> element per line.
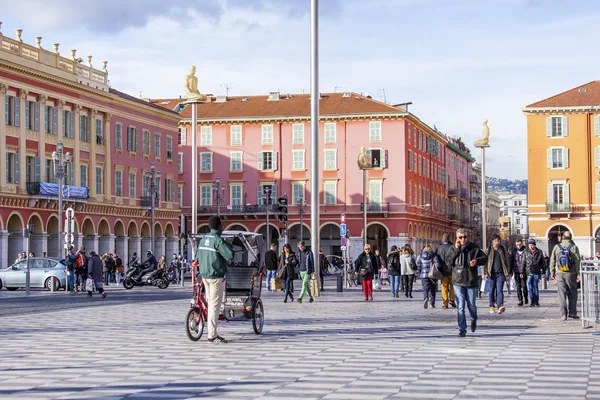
<point x="534" y="264"/>
<point x="442" y="252"/>
<point x="497" y="271"/>
<point x="71" y="264"/>
<point x="365" y="266"/>
<point x="564" y="267"/>
<point x="517" y="265"/>
<point x="81" y="269"/>
<point x="393" y="267"/>
<point x="424" y="264"/>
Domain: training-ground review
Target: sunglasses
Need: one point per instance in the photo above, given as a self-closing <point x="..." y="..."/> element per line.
<point x="462" y="237"/>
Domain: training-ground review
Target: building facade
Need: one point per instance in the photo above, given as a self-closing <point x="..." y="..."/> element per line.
<point x="112" y="138"/>
<point x="514" y="207"/>
<point x="257" y="142"/>
<point x="563" y="142"/>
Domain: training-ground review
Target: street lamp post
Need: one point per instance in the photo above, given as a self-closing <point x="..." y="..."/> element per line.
<point x="300" y="205"/>
<point x="153" y="190"/>
<point x="60" y="170"/>
<point x="267" y="203"/>
<point x="219" y="191"/>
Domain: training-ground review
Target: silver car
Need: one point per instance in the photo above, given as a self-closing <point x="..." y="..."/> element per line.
<point x="43" y="271"/>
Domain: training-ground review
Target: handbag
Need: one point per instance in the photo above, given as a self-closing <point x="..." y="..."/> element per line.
<point x="485" y="286"/>
<point x="434" y="272"/>
<point x="280" y="273"/>
<point x="89" y="285"/>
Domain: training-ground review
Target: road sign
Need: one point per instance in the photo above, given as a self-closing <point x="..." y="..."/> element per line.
<point x="343" y="219"/>
<point x="70" y="225"/>
<point x="343" y="248"/>
<point x="342" y="229"/>
<point x="69" y="238"/>
<point x="343" y="241"/>
<point x="69" y="212"/>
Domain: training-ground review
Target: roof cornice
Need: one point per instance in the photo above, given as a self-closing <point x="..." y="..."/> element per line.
<point x="571" y="109"/>
<point x="287" y="118"/>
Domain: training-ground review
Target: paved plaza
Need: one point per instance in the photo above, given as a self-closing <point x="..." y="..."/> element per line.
<point x="133" y="345"/>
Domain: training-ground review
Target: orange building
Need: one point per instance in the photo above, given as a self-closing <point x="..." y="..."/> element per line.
<point x="564" y="167"/>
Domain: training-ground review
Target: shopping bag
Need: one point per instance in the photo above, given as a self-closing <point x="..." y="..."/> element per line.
<point x="276" y="284"/>
<point x="377" y="284"/>
<point x="314" y="288"/>
<point x="485" y="286"/>
<point x="89" y="285"/>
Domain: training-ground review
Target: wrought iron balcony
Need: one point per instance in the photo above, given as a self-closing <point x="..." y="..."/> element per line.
<point x="146" y="201"/>
<point x="464" y="194"/>
<point x="559" y="208"/>
<point x="475" y="199"/>
<point x="241" y="209"/>
<point x="453" y="217"/>
<point x="376" y="207"/>
<point x="474" y="179"/>
<point x="452" y="192"/>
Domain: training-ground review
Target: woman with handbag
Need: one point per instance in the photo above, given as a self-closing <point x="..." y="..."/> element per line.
<point x="366" y="266"/>
<point x="408" y="266"/>
<point x="288" y="270"/>
<point x="426" y="261"/>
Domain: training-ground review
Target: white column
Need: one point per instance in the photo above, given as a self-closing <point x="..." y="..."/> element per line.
<point x="106" y="244"/>
<point x="121" y="246"/>
<point x="398" y="241"/>
<point x="4" y="261"/>
<point x="91" y="242"/>
<point x="159" y="246"/>
<point x="77" y="241"/>
<point x="172" y="246"/>
<point x="135" y="246"/>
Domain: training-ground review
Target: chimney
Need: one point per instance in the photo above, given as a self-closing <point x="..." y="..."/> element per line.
<point x="19" y="32"/>
<point x="38" y="42"/>
<point x="273" y="96"/>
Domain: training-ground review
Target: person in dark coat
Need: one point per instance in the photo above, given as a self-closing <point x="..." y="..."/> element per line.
<point x="534" y="264"/>
<point x="288" y="263"/>
<point x="94" y="271"/>
<point x="393" y="267"/>
<point x="442" y="252"/>
<point x="271" y="265"/>
<point x="517" y="265"/>
<point x="365" y="265"/>
<point x="424" y="262"/>
<point x="464" y="258"/>
<point x="497" y="271"/>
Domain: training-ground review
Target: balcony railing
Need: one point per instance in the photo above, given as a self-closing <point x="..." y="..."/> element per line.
<point x="452" y="192"/>
<point x="44" y="189"/>
<point x="376" y="207"/>
<point x="558" y="208"/>
<point x="464" y="194"/>
<point x="475" y="199"/>
<point x="474" y="179"/>
<point x="146" y="201"/>
<point x="231" y="210"/>
<point x="453" y="217"/>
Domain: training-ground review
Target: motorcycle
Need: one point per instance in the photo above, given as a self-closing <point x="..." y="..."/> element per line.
<point x="157" y="278"/>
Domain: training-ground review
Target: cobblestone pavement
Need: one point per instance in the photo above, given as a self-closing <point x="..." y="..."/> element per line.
<point x="132" y="345"/>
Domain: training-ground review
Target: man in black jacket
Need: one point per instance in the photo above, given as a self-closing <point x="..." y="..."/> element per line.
<point x="534" y="264"/>
<point x="271" y="264"/>
<point x="464" y="257"/>
<point x="517" y="265"/>
<point x="447" y="288"/>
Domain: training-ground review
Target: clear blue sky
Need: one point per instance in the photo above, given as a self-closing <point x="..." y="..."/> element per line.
<point x="458" y="61"/>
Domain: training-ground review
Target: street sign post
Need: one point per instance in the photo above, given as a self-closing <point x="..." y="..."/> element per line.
<point x="342" y="229"/>
<point x="343" y="219"/>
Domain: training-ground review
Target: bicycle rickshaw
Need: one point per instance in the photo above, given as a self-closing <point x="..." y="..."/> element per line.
<point x="243" y="282"/>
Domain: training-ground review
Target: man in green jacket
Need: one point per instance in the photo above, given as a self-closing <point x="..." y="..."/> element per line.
<point x="565" y="266"/>
<point x="212" y="254"/>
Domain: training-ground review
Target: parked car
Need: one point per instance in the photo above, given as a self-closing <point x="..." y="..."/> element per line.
<point x="42" y="271"/>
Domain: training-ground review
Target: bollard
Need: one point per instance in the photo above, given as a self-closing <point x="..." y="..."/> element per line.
<point x="544" y="282"/>
<point x="340" y="283"/>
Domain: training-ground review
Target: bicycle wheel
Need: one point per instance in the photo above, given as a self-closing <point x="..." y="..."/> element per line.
<point x="194" y="324"/>
<point x="258" y="317"/>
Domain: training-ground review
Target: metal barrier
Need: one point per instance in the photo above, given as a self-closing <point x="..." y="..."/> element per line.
<point x="590" y="293"/>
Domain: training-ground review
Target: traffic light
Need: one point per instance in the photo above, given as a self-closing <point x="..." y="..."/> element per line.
<point x="282" y="208"/>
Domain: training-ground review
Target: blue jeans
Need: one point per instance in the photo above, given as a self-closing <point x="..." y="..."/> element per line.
<point x="71" y="280"/>
<point x="288" y="289"/>
<point x="532" y="284"/>
<point x="270" y="274"/>
<point x="496" y="290"/>
<point x="394" y="284"/>
<point x="466" y="295"/>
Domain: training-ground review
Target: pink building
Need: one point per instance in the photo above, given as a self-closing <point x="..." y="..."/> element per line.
<point x="249" y="143"/>
<point x="113" y="138"/>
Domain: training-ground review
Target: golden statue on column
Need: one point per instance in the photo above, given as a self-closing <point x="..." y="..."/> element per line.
<point x="191" y="86"/>
<point x="364" y="161"/>
<point x="485" y="139"/>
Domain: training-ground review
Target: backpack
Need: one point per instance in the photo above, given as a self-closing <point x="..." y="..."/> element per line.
<point x="81" y="260"/>
<point x="394" y="263"/>
<point x="565" y="261"/>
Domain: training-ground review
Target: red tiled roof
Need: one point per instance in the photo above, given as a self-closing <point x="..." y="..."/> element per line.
<point x="287" y="106"/>
<point x="135" y="99"/>
<point x="584" y="95"/>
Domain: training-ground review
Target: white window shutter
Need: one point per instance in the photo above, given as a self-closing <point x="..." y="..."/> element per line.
<point x="565" y="126"/>
<point x="566" y="199"/>
<point x="565" y="154"/>
<point x="598" y="192"/>
<point x="260" y="160"/>
<point x="274" y="161"/>
<point x="549" y="126"/>
<point x="549" y="158"/>
<point x="597" y="156"/>
<point x="597" y="125"/>
<point x="550" y="194"/>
